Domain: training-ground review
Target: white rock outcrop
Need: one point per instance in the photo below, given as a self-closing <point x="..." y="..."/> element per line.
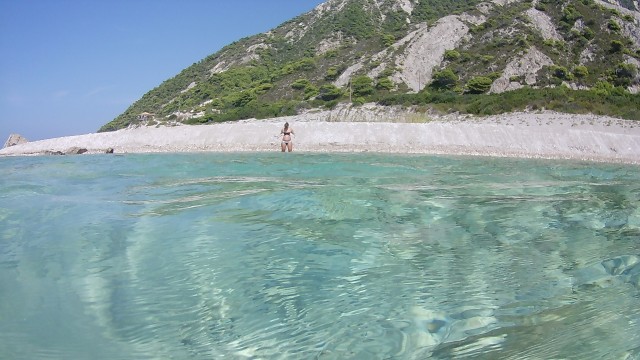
<point x="15" y="139"/>
<point x="542" y="22"/>
<point x="526" y="67"/>
<point x="425" y="50"/>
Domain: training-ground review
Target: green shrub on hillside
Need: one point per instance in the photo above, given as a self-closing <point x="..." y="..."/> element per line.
<point x="613" y="26"/>
<point x="580" y="71"/>
<point x="388" y="40"/>
<point x="604" y="99"/>
<point x="329" y="92"/>
<point x="616" y="46"/>
<point x="451" y="55"/>
<point x="310" y="91"/>
<point x="588" y="33"/>
<point x="428" y="10"/>
<point x="384" y="84"/>
<point x="603" y="88"/>
<point x="395" y="23"/>
<point x="362" y="86"/>
<point x="560" y="72"/>
<point x="240" y="99"/>
<point x="444" y="79"/>
<point x="332" y="73"/>
<point x="300" y="84"/>
<point x="479" y="85"/>
<point x="354" y="21"/>
<point x="570" y="14"/>
<point x="623" y="74"/>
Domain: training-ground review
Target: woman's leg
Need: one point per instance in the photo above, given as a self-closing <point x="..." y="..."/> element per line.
<point x="290" y="145"/>
<point x="282" y="144"/>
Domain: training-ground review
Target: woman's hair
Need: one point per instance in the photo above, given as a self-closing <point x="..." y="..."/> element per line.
<point x="286" y="125"/>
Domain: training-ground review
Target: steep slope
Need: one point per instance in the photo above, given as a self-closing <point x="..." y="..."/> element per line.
<point x="369" y="50"/>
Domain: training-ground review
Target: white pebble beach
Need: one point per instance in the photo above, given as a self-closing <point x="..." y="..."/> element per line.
<point x="524" y="135"/>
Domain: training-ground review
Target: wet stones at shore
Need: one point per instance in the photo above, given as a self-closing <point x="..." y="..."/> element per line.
<point x="75" y="151"/>
<point x="15" y="139"/>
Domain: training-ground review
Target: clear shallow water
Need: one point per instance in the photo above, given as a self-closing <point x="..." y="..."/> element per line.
<point x="317" y="256"/>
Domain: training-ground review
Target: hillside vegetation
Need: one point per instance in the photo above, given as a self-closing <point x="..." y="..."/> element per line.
<point x="577" y="56"/>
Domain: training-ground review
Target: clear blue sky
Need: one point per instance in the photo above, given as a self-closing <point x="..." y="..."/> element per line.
<point x="68" y="67"/>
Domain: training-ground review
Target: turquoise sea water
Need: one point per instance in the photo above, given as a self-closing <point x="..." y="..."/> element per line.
<point x="317" y="256"/>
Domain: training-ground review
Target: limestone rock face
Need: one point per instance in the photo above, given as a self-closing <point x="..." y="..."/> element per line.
<point x="525" y="66"/>
<point x="15" y="139"/>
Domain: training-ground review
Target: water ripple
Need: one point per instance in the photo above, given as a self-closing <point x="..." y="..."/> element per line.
<point x="319" y="256"/>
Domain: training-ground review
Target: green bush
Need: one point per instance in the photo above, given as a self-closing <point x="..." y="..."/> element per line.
<point x="580" y="71"/>
<point x="487" y="58"/>
<point x="451" y="55"/>
<point x="262" y="88"/>
<point x="359" y="100"/>
<point x="353" y="20"/>
<point x="329" y="92"/>
<point x="386" y="72"/>
<point x="570" y="14"/>
<point x="332" y="74"/>
<point x="310" y="91"/>
<point x="624" y="74"/>
<point x="240" y="99"/>
<point x="300" y="84"/>
<point x="445" y="79"/>
<point x="588" y="33"/>
<point x="479" y="85"/>
<point x="515" y="78"/>
<point x="613" y="26"/>
<point x="304" y="64"/>
<point x="602" y="88"/>
<point x="494" y="75"/>
<point x="362" y="86"/>
<point x="388" y="40"/>
<point x="330" y="54"/>
<point x="541" y="7"/>
<point x="384" y="84"/>
<point x="560" y="72"/>
<point x="616" y="46"/>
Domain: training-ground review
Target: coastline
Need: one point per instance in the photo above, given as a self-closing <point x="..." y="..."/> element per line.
<point x="523" y="135"/>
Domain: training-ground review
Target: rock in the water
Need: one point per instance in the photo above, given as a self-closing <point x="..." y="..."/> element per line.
<point x="15" y="139"/>
<point x="75" y="151"/>
<point x="109" y="151"/>
<point x="625" y="269"/>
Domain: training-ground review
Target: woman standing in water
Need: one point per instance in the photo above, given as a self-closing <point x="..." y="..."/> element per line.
<point x="286" y="133"/>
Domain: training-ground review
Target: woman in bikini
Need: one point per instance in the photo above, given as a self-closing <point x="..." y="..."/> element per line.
<point x="286" y="133"/>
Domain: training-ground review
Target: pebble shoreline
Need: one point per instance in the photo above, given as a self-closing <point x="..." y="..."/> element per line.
<point x="522" y="135"/>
